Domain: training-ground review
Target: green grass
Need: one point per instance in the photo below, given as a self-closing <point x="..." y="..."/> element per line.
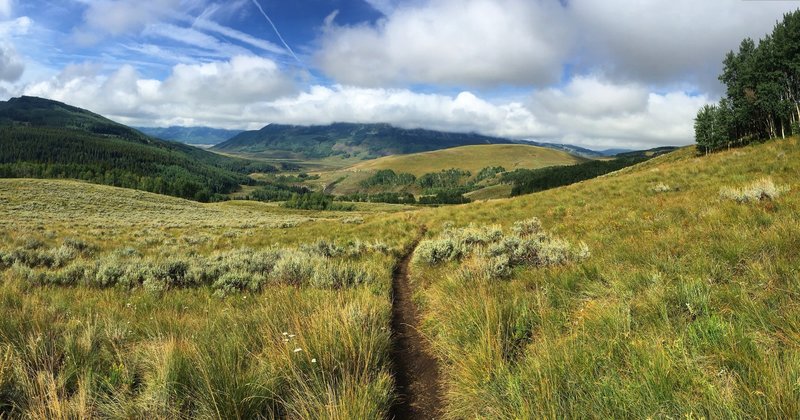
<point x="471" y="158"/>
<point x="685" y="307"/>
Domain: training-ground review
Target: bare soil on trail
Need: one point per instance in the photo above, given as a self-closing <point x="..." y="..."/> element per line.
<point x="416" y="369"/>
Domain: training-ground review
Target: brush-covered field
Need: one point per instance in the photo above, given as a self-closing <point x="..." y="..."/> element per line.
<point x="123" y="304"/>
<point x="668" y="289"/>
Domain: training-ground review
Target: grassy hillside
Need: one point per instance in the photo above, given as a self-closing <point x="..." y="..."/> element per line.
<point x="468" y="158"/>
<point x="471" y="158"/>
<point x="687" y="305"/>
<point x="48" y="139"/>
<point x="344" y="140"/>
<point x="681" y="302"/>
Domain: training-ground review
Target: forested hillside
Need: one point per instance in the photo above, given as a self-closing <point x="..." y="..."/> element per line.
<point x="347" y="140"/>
<point x="47" y="139"/>
<point x="190" y="135"/>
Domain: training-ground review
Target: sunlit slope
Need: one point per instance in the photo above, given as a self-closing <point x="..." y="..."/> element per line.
<point x="472" y="158"/>
<point x="688" y="305"/>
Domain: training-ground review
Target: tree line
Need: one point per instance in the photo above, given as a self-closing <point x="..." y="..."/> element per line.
<point x="527" y="181"/>
<point x="762" y="98"/>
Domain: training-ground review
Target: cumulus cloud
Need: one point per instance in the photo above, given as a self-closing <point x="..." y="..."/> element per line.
<point x="464" y="112"/>
<point x="203" y="93"/>
<point x="594" y="112"/>
<point x="249" y="92"/>
<point x="451" y="42"/>
<point x="528" y="42"/>
<point x="11" y="64"/>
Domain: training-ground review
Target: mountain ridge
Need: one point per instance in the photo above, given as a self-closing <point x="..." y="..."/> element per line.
<point x="347" y="140"/>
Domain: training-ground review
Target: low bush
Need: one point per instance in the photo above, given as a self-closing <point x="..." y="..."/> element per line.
<point x="763" y="189"/>
<point x="294" y="268"/>
<point x="433" y="252"/>
<point x="497" y="254"/>
<point x="340" y="274"/>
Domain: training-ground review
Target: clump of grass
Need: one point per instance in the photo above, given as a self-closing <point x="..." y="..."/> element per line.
<point x="761" y="190"/>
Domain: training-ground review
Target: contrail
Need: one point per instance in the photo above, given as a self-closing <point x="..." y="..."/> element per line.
<point x="261" y="9"/>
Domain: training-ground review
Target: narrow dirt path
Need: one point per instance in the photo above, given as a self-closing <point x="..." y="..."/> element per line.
<point x="416" y="370"/>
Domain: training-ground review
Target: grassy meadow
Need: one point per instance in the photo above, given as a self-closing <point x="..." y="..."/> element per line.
<point x="118" y="304"/>
<point x="667" y="289"/>
<point x="687" y="306"/>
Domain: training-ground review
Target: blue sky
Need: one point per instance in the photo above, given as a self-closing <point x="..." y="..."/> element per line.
<point x="616" y="73"/>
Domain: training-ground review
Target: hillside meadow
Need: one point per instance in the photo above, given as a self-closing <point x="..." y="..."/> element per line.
<point x="687" y="306"/>
<point x="667" y="289"/>
<point x="466" y="158"/>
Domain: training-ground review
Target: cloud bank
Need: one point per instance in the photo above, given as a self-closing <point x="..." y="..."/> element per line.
<point x="249" y="92"/>
<point x="598" y="74"/>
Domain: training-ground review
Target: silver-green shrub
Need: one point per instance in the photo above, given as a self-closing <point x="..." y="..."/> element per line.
<point x="294" y="268"/>
<point x="763" y="189"/>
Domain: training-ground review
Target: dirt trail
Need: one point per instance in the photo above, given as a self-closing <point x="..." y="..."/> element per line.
<point x="416" y="370"/>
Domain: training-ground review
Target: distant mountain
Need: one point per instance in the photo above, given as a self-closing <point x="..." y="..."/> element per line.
<point x="190" y="135"/>
<point x="40" y="138"/>
<point x="366" y="141"/>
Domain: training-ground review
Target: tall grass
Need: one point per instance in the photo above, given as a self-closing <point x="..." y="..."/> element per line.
<point x="119" y="304"/>
<point x="685" y="308"/>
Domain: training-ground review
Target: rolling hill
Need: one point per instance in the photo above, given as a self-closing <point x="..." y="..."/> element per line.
<point x="466" y="158"/>
<point x="40" y="138"/>
<point x="471" y="158"/>
<point x="205" y="136"/>
<point x="364" y="141"/>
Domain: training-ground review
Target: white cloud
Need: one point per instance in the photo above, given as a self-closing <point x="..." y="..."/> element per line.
<point x="249" y="92"/>
<point x="193" y="38"/>
<point x="209" y="93"/>
<point x="209" y="25"/>
<point x="11" y="64"/>
<point x="592" y="112"/>
<point x="668" y="41"/>
<point x="117" y="17"/>
<point x="672" y="43"/>
<point x="6" y="8"/>
<point x="16" y="27"/>
<point x="465" y="112"/>
<point x="451" y="42"/>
